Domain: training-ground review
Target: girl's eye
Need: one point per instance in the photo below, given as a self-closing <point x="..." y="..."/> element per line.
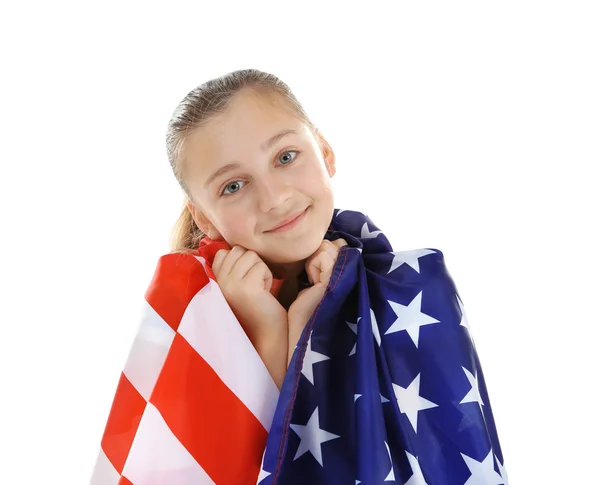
<point x="235" y="186"/>
<point x="286" y="154"/>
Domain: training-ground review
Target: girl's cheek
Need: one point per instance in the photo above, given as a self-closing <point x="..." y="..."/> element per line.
<point x="239" y="224"/>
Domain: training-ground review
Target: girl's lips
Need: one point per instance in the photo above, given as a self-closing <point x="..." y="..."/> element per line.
<point x="290" y="225"/>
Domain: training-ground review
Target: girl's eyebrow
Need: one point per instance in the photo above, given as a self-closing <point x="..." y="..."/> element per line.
<point x="224" y="169"/>
<point x="264" y="147"/>
<point x="275" y="138"/>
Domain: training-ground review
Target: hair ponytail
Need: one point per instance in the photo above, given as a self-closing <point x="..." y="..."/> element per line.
<point x="185" y="235"/>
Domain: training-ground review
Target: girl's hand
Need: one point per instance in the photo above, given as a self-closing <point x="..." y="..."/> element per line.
<point x="246" y="280"/>
<point x="318" y="267"/>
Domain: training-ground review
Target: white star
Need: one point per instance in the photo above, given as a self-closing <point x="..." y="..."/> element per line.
<point x="375" y="327"/>
<point x="473" y="395"/>
<point x="502" y="471"/>
<point x="482" y="473"/>
<point x="366" y="234"/>
<point x="354" y="328"/>
<point x="463" y="319"/>
<point x="263" y="473"/>
<point x="312" y="437"/>
<point x="383" y="399"/>
<point x="410" y="318"/>
<point x="417" y="477"/>
<point x="409" y="257"/>
<point x="311" y="357"/>
<point x="390" y="476"/>
<point x="356" y="396"/>
<point x="410" y="402"/>
<point x="340" y="211"/>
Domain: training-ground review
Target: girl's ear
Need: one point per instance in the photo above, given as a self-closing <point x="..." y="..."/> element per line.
<point x="328" y="155"/>
<point x="205" y="225"/>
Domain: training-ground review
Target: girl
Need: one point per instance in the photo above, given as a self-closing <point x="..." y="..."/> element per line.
<point x="384" y="383"/>
<point x="255" y="172"/>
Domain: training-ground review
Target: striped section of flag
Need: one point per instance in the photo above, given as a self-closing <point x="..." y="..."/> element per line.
<point x="184" y="410"/>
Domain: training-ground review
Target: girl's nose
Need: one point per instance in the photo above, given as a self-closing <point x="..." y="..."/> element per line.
<point x="272" y="192"/>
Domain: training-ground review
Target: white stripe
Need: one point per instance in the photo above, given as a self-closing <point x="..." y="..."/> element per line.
<point x="158" y="458"/>
<point x="149" y="351"/>
<point x="104" y="473"/>
<point x="211" y="328"/>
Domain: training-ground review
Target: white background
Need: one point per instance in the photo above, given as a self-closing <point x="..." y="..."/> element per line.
<point x="469" y="127"/>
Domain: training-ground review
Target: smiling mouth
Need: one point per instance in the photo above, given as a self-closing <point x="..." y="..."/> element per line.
<point x="289" y="223"/>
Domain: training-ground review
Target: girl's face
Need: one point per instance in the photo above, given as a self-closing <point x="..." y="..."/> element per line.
<point x="251" y="169"/>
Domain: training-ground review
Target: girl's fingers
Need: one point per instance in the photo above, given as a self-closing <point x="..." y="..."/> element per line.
<point x="327" y="247"/>
<point x="332" y="250"/>
<point x="320" y="266"/>
<point x="244" y="264"/>
<point x="340" y="242"/>
<point x="217" y="264"/>
<point x="312" y="271"/>
<point x="326" y="268"/>
<point x="260" y="272"/>
<point x="229" y="262"/>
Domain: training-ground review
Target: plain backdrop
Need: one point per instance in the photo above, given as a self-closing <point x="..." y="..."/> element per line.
<point x="469" y="127"/>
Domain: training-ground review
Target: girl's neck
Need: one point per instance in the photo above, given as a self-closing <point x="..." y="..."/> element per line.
<point x="288" y="293"/>
<point x="289" y="273"/>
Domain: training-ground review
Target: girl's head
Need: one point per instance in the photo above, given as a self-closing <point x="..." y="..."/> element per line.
<point x="247" y="158"/>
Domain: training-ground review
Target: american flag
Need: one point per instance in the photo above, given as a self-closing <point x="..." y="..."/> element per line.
<point x="385" y="385"/>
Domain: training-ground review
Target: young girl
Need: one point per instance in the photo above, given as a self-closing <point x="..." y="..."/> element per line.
<point x="320" y="355"/>
<point x="255" y="172"/>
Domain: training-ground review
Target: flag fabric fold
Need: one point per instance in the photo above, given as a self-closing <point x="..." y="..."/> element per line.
<point x="385" y="384"/>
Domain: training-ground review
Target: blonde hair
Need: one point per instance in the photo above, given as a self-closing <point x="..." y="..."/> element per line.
<point x="201" y="104"/>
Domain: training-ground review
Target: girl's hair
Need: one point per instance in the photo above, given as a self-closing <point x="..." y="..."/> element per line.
<point x="200" y="105"/>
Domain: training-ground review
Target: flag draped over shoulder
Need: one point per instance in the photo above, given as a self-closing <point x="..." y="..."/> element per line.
<point x="385" y="385"/>
<point x="194" y="402"/>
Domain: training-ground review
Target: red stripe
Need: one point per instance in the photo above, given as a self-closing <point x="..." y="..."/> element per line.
<point x="123" y="421"/>
<point x="124" y="481"/>
<point x="177" y="278"/>
<point x="211" y="422"/>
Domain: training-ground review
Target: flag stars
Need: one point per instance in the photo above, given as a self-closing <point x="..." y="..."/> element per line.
<point x="312" y="437"/>
<point x="390" y="477"/>
<point x="375" y="327"/>
<point x="354" y="328"/>
<point x="409" y="257"/>
<point x="464" y="322"/>
<point x="410" y="402"/>
<point x="366" y="234"/>
<point x="417" y="477"/>
<point x="410" y="318"/>
<point x="482" y="473"/>
<point x="502" y="471"/>
<point x="473" y="395"/>
<point x="311" y="357"/>
<point x="263" y="473"/>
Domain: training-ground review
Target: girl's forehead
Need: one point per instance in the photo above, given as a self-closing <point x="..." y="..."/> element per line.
<point x="248" y="111"/>
<point x="246" y="124"/>
<point x="245" y="128"/>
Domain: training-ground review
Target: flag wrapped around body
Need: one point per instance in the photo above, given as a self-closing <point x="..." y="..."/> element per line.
<point x="385" y="385"/>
